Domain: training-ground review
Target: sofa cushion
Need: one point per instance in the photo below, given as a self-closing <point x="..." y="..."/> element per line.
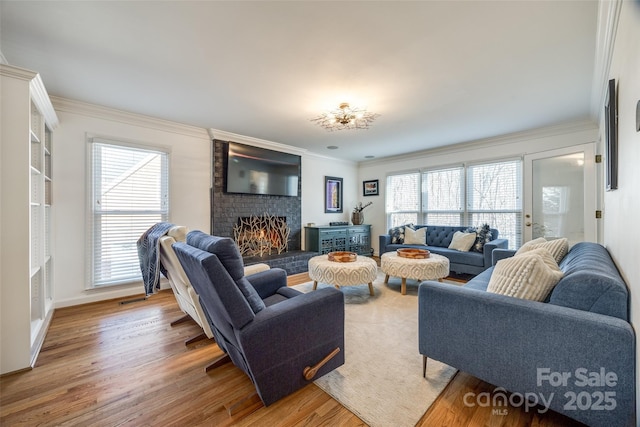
<point x="458" y="257"/>
<point x="415" y="237"/>
<point x="591" y="282"/>
<point x="557" y="247"/>
<point x="462" y="241"/>
<point x="530" y="275"/>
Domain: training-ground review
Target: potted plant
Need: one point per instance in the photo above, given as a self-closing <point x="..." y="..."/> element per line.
<point x="357" y="216"/>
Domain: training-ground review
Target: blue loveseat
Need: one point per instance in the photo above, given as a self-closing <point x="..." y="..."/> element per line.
<point x="576" y="350"/>
<point x="438" y="240"/>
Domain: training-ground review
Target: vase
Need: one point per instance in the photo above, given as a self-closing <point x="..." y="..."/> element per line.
<point x="357" y="218"/>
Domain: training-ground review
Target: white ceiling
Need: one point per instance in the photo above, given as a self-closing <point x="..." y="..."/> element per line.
<point x="437" y="72"/>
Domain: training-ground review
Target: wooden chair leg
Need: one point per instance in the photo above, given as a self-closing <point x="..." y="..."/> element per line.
<point x="181" y="320"/>
<point x="424" y="366"/>
<point x="218" y="362"/>
<point x="197" y="338"/>
<point x="245" y="405"/>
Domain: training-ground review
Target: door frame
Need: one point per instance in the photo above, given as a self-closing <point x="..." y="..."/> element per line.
<point x="590" y="188"/>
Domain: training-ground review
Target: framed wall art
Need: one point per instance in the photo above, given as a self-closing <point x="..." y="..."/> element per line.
<point x="332" y="194"/>
<point x="370" y="188"/>
<point x="611" y="136"/>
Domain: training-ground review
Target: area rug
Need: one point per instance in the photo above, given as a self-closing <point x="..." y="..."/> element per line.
<point x="381" y="381"/>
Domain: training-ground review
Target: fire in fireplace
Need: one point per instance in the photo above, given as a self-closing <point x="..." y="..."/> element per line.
<point x="261" y="235"/>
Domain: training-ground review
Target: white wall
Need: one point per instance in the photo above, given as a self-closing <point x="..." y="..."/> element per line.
<point x="508" y="146"/>
<point x="190" y="167"/>
<point x="621" y="206"/>
<point x="189" y="176"/>
<point x="314" y="169"/>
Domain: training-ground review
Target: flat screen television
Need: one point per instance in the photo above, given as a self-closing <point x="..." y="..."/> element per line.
<point x="255" y="170"/>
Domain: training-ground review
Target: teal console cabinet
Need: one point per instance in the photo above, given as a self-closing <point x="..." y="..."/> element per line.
<point x="351" y="238"/>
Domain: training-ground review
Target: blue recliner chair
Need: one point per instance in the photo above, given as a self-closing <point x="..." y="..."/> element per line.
<point x="281" y="338"/>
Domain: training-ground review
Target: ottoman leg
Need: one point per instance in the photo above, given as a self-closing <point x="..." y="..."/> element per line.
<point x="440" y="279"/>
<point x="315" y="285"/>
<point x="371" y="289"/>
<point x="386" y="279"/>
<point x="403" y="288"/>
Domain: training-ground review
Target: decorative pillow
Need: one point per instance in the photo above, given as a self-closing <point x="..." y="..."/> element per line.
<point x="415" y="237"/>
<point x="397" y="234"/>
<point x="557" y="247"/>
<point x="531" y="275"/>
<point x="484" y="236"/>
<point x="462" y="241"/>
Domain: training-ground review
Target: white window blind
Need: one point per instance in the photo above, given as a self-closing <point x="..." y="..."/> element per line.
<point x="494" y="197"/>
<point x="464" y="195"/>
<point x="129" y="194"/>
<point x="443" y="196"/>
<point x="403" y="199"/>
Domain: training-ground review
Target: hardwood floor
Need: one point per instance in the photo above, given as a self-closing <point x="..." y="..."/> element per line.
<point x="108" y="364"/>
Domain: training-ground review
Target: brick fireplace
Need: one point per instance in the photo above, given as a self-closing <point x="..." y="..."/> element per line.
<point x="226" y="208"/>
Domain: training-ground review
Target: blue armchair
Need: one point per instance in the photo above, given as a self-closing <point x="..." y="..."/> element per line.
<point x="281" y="338"/>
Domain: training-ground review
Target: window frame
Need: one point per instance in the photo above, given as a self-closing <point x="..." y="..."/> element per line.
<point x="466" y="214"/>
<point x="93" y="234"/>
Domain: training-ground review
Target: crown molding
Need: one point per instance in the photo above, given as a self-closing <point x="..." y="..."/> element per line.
<point x="607" y="26"/>
<point x="37" y="90"/>
<point x="511" y="138"/>
<point x="43" y="102"/>
<point x="332" y="159"/>
<point x="124" y="117"/>
<point x="17" y="72"/>
<point x="222" y="135"/>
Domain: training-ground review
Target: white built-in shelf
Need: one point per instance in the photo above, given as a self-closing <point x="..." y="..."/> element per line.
<point x="34" y="137"/>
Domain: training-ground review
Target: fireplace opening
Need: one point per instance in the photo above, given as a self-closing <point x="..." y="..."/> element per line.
<point x="261" y="235"/>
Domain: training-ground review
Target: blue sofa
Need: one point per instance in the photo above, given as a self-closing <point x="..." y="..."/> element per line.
<point x="438" y="241"/>
<point x="576" y="350"/>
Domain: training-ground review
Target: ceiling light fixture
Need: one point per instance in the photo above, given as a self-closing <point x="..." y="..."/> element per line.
<point x="345" y="117"/>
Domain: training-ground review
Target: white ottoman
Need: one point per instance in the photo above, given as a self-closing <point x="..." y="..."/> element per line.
<point x="432" y="268"/>
<point x="362" y="270"/>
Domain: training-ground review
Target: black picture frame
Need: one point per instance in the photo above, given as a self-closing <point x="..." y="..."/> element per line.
<point x="332" y="194"/>
<point x="370" y="188"/>
<point x="611" y="136"/>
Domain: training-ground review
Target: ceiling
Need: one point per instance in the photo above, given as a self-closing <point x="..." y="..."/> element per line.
<point x="437" y="72"/>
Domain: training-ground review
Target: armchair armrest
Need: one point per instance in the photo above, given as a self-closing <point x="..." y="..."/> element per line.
<point x="287" y="337"/>
<point x="489" y="247"/>
<point x="499" y="254"/>
<point x="383" y="241"/>
<point x="267" y="282"/>
<point x="512" y="343"/>
<point x="305" y="320"/>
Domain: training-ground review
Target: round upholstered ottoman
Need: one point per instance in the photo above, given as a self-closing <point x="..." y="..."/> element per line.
<point x="432" y="268"/>
<point x="362" y="270"/>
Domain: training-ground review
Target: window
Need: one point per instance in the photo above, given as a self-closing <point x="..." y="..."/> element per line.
<point x="461" y="195"/>
<point x="403" y="199"/>
<point x="130" y="187"/>
<point x="443" y="196"/>
<point x="494" y="197"/>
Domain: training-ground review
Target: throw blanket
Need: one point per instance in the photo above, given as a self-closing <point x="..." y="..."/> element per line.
<point x="149" y="255"/>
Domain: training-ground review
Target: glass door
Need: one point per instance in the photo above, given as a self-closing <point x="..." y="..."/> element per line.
<point x="560" y="194"/>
